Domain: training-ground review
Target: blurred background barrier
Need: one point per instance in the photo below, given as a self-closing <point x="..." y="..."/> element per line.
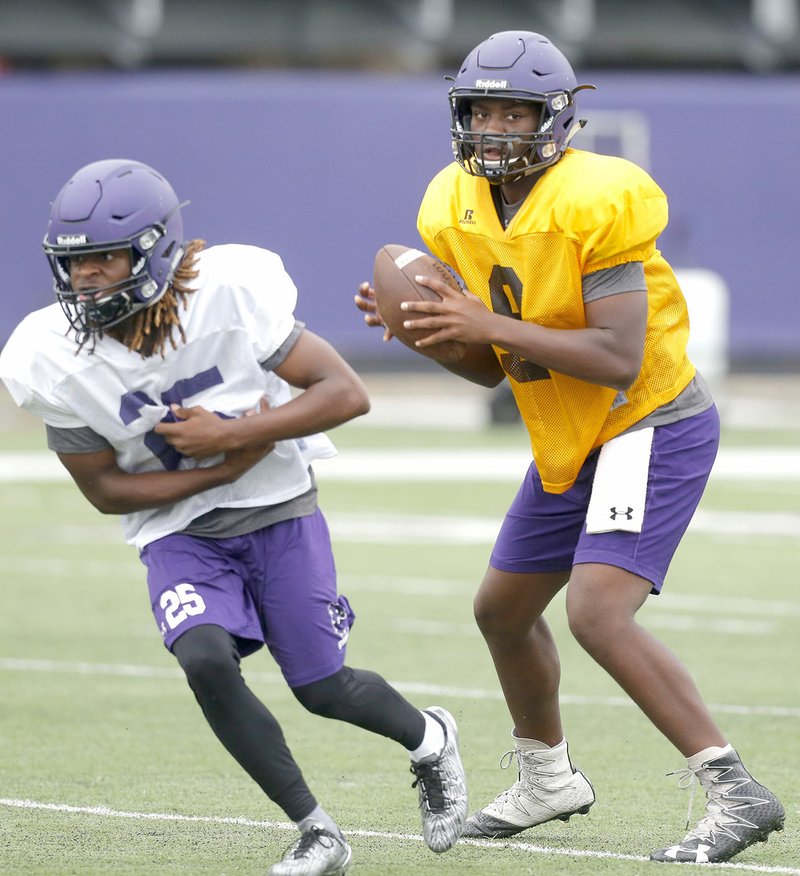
<point x="410" y="35"/>
<point x="312" y="128"/>
<point x="707" y="298"/>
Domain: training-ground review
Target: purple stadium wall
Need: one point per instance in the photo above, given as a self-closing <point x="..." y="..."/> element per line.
<point x="324" y="168"/>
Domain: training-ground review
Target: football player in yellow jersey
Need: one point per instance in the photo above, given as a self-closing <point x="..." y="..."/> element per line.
<point x="572" y="302"/>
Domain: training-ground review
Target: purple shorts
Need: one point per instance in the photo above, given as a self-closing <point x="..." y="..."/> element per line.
<point x="275" y="586"/>
<point x="546" y="532"/>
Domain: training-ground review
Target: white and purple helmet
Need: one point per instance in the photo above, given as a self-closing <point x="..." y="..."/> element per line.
<point x="523" y="66"/>
<point x="111" y="205"/>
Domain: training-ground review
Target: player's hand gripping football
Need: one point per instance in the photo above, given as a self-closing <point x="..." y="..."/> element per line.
<point x="365" y="302"/>
<point x="459" y="316"/>
<point x="200" y="433"/>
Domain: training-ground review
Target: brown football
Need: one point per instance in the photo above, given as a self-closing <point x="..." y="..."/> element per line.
<point x="393" y="281"/>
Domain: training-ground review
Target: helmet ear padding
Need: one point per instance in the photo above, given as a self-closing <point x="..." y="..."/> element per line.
<point x="521" y="66"/>
<point x="108" y="205"/>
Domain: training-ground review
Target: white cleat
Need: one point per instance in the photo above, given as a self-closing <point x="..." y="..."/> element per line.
<point x="548" y="788"/>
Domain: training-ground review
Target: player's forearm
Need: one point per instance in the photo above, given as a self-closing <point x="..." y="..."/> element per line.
<point x="590" y="354"/>
<point x="123" y="493"/>
<point x="322" y="406"/>
<point x="479" y="364"/>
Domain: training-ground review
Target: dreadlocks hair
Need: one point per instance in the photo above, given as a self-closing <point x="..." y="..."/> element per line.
<point x="150" y="330"/>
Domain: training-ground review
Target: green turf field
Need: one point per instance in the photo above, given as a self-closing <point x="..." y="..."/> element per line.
<point x="108" y="767"/>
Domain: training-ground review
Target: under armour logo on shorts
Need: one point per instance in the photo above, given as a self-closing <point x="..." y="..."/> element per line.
<point x="615" y="513"/>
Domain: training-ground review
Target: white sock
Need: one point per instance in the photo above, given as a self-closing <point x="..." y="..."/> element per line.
<point x="432" y="742"/>
<point x="534" y="744"/>
<point x="318" y="817"/>
<point x="712" y="753"/>
<point x="533" y="755"/>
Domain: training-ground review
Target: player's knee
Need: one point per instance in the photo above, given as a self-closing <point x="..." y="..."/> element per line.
<point x="484" y="613"/>
<point x="580" y="629"/>
<point x="329" y="697"/>
<point x="586" y="625"/>
<point x="494" y="619"/>
<point x="209" y="658"/>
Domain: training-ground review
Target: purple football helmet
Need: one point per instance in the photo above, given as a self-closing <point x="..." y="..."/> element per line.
<point x="523" y="66"/>
<point x="112" y="205"/>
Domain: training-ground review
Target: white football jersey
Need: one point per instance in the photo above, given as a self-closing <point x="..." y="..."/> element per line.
<point x="241" y="313"/>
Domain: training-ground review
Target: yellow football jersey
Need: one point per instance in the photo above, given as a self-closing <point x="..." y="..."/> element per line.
<point x="586" y="213"/>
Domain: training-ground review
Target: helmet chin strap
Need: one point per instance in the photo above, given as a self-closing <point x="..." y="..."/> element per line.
<point x="581" y="123"/>
<point x="527" y="168"/>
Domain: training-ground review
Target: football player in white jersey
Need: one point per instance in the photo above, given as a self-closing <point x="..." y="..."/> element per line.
<point x="163" y="379"/>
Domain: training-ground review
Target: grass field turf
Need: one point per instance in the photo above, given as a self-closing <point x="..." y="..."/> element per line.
<point x="95" y="716"/>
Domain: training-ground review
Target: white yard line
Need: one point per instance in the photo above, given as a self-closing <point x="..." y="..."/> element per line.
<point x="504" y="464"/>
<point x="392" y="528"/>
<point x="129" y="670"/>
<point x="487" y="845"/>
<point x="431" y="529"/>
<point x="501" y="464"/>
<point x="775" y="465"/>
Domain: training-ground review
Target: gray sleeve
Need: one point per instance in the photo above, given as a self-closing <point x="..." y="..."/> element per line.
<point x="82" y="440"/>
<point x="628" y="277"/>
<point x="285" y="348"/>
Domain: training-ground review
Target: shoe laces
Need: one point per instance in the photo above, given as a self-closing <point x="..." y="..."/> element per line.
<point x="535" y="774"/>
<point x="719" y="804"/>
<point x="429" y="777"/>
<point x="534" y="768"/>
<point x="310" y="838"/>
<point x="432" y="779"/>
<point x="687" y="779"/>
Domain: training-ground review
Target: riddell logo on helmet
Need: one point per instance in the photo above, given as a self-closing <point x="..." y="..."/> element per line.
<point x="71" y="239"/>
<point x="491" y="83"/>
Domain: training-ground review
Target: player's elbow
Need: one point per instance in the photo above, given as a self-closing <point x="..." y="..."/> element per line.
<point x="354" y="400"/>
<point x="361" y="406"/>
<point x="104" y="496"/>
<point x="616" y="356"/>
<point x="103" y="503"/>
<point x="622" y="381"/>
<point x="623" y="370"/>
<point x="110" y="509"/>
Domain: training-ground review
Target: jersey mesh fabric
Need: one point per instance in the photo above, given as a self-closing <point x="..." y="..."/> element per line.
<point x="240" y="315"/>
<point x="587" y="213"/>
